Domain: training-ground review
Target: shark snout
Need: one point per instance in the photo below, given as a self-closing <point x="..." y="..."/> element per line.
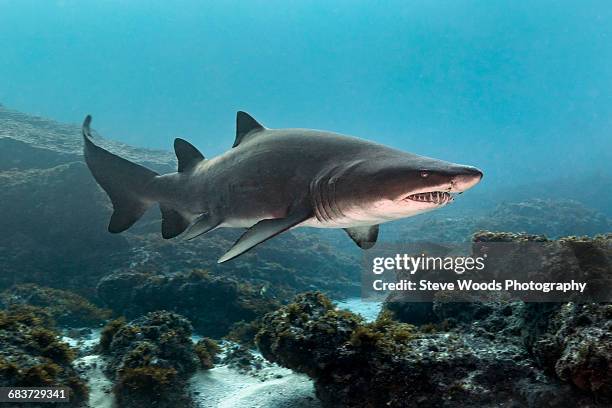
<point x="466" y="179"/>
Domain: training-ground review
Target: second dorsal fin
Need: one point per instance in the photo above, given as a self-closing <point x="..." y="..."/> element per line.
<point x="245" y="124"/>
<point x="187" y="155"/>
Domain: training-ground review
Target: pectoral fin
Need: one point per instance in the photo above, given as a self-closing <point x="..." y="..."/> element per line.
<point x="365" y="237"/>
<point x="264" y="230"/>
<point x="203" y="224"/>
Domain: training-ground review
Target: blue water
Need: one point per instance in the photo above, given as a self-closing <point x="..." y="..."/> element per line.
<point x="522" y="89"/>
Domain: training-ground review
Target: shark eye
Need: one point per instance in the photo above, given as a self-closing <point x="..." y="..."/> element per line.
<point x="424" y="174"/>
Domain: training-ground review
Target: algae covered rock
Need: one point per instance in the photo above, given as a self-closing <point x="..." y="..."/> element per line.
<point x="575" y="342"/>
<point x="394" y="364"/>
<point x="212" y="303"/>
<point x="67" y="309"/>
<point x="306" y="335"/>
<point x="150" y="359"/>
<point x="32" y="354"/>
<point x="570" y="343"/>
<point x="207" y="350"/>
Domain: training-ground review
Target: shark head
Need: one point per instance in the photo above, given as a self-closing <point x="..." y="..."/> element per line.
<point x="385" y="188"/>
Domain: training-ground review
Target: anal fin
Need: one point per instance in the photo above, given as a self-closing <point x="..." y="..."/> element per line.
<point x="264" y="230"/>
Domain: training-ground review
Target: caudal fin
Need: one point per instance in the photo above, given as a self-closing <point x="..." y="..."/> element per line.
<point x="126" y="183"/>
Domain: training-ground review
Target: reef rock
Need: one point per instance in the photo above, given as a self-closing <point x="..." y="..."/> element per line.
<point x="32" y="355"/>
<point x="68" y="309"/>
<point x="576" y="344"/>
<point x="212" y="303"/>
<point x="570" y="343"/>
<point x="150" y="359"/>
<point x="393" y="364"/>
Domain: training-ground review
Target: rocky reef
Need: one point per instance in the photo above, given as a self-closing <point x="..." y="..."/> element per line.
<point x="207" y="350"/>
<point x="480" y="363"/>
<point x="574" y="343"/>
<point x="150" y="359"/>
<point x="520" y="255"/>
<point x="68" y="309"/>
<point x="213" y="304"/>
<point x="32" y="354"/>
<point x="456" y="352"/>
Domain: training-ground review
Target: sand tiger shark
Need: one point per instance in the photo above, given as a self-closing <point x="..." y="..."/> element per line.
<point x="272" y="180"/>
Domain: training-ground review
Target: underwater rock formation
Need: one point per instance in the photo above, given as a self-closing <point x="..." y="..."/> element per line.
<point x="32" y="355"/>
<point x="569" y="342"/>
<point x="150" y="359"/>
<point x="207" y="350"/>
<point x="212" y="303"/>
<point x="294" y="262"/>
<point x="575" y="343"/>
<point x="68" y="309"/>
<point x="536" y="256"/>
<point x="57" y="223"/>
<point x="394" y="364"/>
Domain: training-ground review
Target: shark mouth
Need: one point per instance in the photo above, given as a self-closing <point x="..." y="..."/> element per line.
<point x="434" y="197"/>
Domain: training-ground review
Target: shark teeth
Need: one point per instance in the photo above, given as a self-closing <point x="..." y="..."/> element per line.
<point x="435" y="197"/>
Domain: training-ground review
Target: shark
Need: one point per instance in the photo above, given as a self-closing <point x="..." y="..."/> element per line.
<point x="273" y="180"/>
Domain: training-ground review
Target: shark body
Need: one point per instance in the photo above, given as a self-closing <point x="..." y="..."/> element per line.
<point x="276" y="179"/>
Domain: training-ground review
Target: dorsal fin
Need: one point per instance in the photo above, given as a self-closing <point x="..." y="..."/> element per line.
<point x="245" y="124"/>
<point x="187" y="155"/>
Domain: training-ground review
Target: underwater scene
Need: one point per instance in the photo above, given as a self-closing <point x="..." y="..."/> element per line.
<point x="235" y="204"/>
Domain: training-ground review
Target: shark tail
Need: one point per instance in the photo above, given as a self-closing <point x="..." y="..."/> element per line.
<point x="126" y="183"/>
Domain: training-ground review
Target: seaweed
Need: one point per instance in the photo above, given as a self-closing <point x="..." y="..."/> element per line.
<point x="207" y="350"/>
<point x="388" y="362"/>
<point x="66" y="308"/>
<point x="146" y="379"/>
<point x="108" y="332"/>
<point x="150" y="359"/>
<point x="32" y="354"/>
<point x="188" y="293"/>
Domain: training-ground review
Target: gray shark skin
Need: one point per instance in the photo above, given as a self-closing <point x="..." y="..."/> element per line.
<point x="276" y="179"/>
